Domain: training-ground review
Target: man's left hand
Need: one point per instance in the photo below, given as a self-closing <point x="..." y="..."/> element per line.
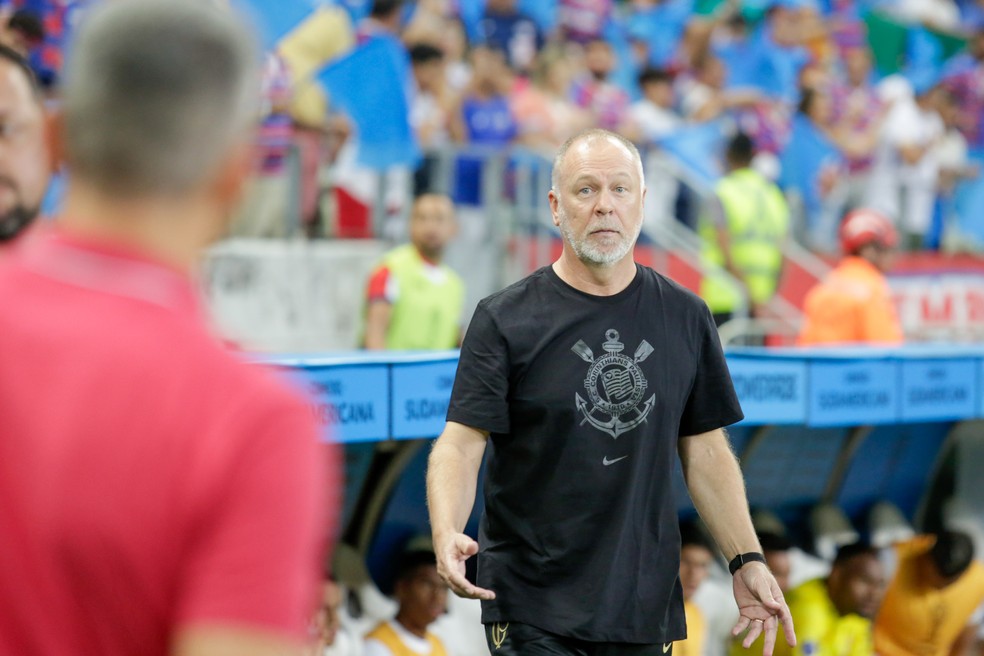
<point x="762" y="607"/>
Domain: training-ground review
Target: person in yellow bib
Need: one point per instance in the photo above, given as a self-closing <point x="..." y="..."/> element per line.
<point x="423" y="596"/>
<point x="742" y="233"/>
<point x="414" y="300"/>
<point x="928" y="608"/>
<point x="833" y="615"/>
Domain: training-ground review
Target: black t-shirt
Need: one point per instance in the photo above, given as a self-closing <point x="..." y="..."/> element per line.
<point x="585" y="397"/>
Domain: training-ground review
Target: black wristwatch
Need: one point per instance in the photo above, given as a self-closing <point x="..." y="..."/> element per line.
<point x="739" y="561"/>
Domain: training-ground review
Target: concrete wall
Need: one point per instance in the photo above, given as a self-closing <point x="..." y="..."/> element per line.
<point x="290" y="296"/>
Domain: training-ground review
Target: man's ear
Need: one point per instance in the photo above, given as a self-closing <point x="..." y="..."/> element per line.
<point x="554" y="202"/>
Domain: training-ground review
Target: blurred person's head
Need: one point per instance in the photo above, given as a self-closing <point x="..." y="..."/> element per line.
<point x="326" y="621"/>
<point x="159" y="105"/>
<point x="696" y="556"/>
<point x="428" y="66"/>
<point x="23" y="32"/>
<point x="491" y="75"/>
<point x="867" y="234"/>
<point x="950" y="556"/>
<point x="500" y="6"/>
<point x="739" y="152"/>
<point x="814" y="76"/>
<point x="599" y="58"/>
<point x="596" y="196"/>
<point x="857" y="65"/>
<point x="785" y="22"/>
<point x="388" y="13"/>
<point x="657" y="87"/>
<point x="856" y="582"/>
<point x="948" y="108"/>
<point x="776" y="548"/>
<point x="420" y="591"/>
<point x="816" y="105"/>
<point x="432" y="225"/>
<point x="709" y="69"/>
<point x="25" y="163"/>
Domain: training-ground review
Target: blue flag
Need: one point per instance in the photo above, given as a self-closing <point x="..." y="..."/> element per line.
<point x="371" y="86"/>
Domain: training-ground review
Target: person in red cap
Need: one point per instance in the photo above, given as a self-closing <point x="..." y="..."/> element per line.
<point x="853" y="303"/>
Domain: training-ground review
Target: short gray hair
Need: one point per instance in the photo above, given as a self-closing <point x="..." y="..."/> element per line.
<point x="584" y="135"/>
<point x="156" y="93"/>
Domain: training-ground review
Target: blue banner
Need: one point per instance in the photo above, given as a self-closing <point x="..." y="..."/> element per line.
<point x="853" y="392"/>
<point x="351" y="402"/>
<point x="771" y="391"/>
<point x="938" y="389"/>
<point x="380" y="109"/>
<point x="420" y="398"/>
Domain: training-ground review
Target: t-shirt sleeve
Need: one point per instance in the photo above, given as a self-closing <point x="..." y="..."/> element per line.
<point x="256" y="548"/>
<point x="481" y="384"/>
<point x="382" y="286"/>
<point x="712" y="402"/>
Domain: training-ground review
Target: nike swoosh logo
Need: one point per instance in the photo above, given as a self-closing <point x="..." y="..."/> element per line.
<point x="666" y="647"/>
<point x="605" y="461"/>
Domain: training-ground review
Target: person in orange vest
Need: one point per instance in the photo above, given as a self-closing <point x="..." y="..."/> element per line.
<point x="853" y="303"/>
<point x="929" y="607"/>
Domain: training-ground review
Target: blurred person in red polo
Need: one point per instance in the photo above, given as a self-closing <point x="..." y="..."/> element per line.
<point x="24" y="161"/>
<point x="853" y="303"/>
<point x="160" y="496"/>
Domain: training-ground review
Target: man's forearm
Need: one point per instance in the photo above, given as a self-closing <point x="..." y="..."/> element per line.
<point x="452" y="477"/>
<point x="718" y="491"/>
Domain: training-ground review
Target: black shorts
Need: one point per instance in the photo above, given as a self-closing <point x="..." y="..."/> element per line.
<point x="514" y="639"/>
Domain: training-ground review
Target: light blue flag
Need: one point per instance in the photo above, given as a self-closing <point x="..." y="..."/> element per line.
<point x="371" y="86"/>
<point x="274" y="19"/>
<point x="969" y="202"/>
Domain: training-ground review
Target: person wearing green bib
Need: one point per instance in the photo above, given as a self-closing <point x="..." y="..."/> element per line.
<point x="414" y="301"/>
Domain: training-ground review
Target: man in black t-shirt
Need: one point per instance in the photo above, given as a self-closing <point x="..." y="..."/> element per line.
<point x="583" y="382"/>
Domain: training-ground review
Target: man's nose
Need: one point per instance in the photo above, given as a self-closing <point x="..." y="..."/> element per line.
<point x="604" y="203"/>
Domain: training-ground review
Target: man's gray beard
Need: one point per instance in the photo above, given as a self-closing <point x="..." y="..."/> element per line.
<point x="590" y="254"/>
<point x="13" y="222"/>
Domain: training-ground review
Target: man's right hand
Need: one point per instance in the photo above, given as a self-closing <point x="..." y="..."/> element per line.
<point x="452" y="550"/>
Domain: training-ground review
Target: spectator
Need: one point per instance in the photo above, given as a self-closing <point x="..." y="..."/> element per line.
<point x="330" y="637"/>
<point x="853" y="304"/>
<point x="431" y="109"/>
<point x="204" y="535"/>
<point x="415" y="301"/>
<point x="655" y="116"/>
<point x="582" y="21"/>
<point x="24" y="160"/>
<point x="263" y="212"/>
<point x="324" y="36"/>
<point x="703" y="95"/>
<point x="779" y="53"/>
<point x="422" y="596"/>
<point x="743" y="233"/>
<point x="963" y="76"/>
<point x="544" y="113"/>
<point x="23" y="32"/>
<point x="606" y="102"/>
<point x="812" y="168"/>
<point x="955" y="166"/>
<point x="857" y="119"/>
<point x="931" y="599"/>
<point x="833" y="615"/>
<point x="696" y="556"/>
<point x="505" y="28"/>
<point x="385" y="19"/>
<point x="906" y="167"/>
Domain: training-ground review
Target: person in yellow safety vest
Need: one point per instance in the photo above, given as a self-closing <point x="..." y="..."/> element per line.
<point x="929" y="609"/>
<point x="742" y="234"/>
<point x="423" y="596"/>
<point x="414" y="300"/>
<point x="696" y="556"/>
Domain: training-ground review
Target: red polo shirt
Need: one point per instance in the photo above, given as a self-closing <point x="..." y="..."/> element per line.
<point x="148" y="479"/>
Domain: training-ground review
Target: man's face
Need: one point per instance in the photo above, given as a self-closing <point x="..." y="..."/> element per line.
<point x="24" y="160"/>
<point x="432" y="225"/>
<point x="423" y="597"/>
<point x="598" y="201"/>
<point x="326" y="621"/>
<point x="695" y="564"/>
<point x="857" y="586"/>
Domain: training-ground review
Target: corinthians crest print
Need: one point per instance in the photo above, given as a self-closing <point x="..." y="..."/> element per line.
<point x="615" y="386"/>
